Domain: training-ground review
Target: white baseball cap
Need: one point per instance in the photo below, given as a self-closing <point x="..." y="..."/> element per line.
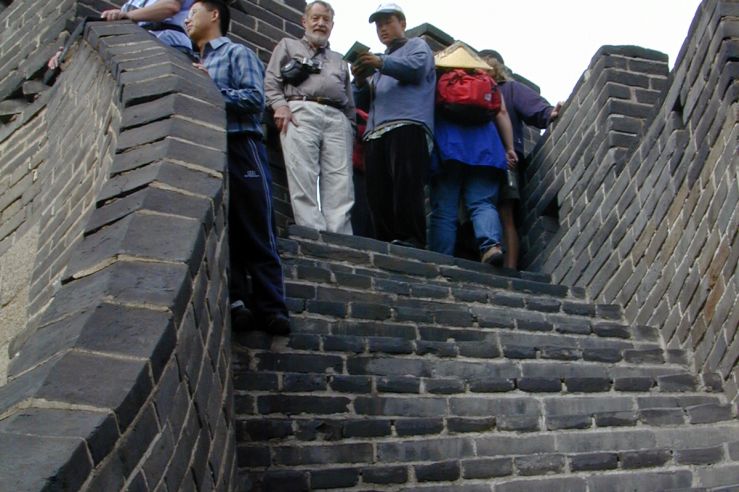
<point x="387" y="8"/>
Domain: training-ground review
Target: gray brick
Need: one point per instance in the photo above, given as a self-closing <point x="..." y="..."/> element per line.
<point x="385" y="475"/>
<point x="479" y="350"/>
<point x="439" y="349"/>
<point x="540" y="464"/>
<point x="708" y="414"/>
<point x="319" y="454"/>
<point x="412" y="427"/>
<point x="370" y="311"/>
<point x="301" y="404"/>
<point x="303" y="382"/>
<point x="506" y="445"/>
<point x="594" y="461"/>
<point x="343" y="344"/>
<point x="568" y="484"/>
<point x="265" y="429"/>
<point x="444" y="386"/>
<point x="306" y="363"/>
<point x="602" y="355"/>
<point x="518" y="423"/>
<point x="702" y="456"/>
<point x="539" y="385"/>
<point x="662" y="416"/>
<point x="398" y="385"/>
<point x="633" y="384"/>
<point x="492" y="385"/>
<point x="462" y="425"/>
<point x="334" y="478"/>
<point x="611" y="330"/>
<point x="677" y="383"/>
<point x="425" y="450"/>
<point x="400" y="406"/>
<point x="446" y="471"/>
<point x="351" y="384"/>
<point x="487" y="468"/>
<point x="644" y="481"/>
<point x="367" y="428"/>
<point x="569" y="422"/>
<point x="644" y="356"/>
<point x="286" y="480"/>
<point x="587" y="385"/>
<point x="518" y="351"/>
<point x="389" y="345"/>
<point x="645" y="459"/>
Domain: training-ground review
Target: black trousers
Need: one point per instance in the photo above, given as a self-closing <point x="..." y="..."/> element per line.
<point x="252" y="241"/>
<point x="396" y="171"/>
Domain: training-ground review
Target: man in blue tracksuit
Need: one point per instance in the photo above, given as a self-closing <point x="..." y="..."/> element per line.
<point x="239" y="75"/>
<point x="398" y="87"/>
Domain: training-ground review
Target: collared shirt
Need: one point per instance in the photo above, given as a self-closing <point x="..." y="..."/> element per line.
<point x="333" y="82"/>
<point x="169" y="37"/>
<point x="239" y="75"/>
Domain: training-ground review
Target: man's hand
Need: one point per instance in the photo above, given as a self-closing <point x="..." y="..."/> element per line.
<point x="201" y="67"/>
<point x="114" y="15"/>
<point x="365" y="65"/>
<point x="512" y="158"/>
<point x="282" y="117"/>
<point x="555" y="112"/>
<point x="54" y="61"/>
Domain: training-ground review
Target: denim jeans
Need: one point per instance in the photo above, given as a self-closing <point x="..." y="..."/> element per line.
<point x="478" y="186"/>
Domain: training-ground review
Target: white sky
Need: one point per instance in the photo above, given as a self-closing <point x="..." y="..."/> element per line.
<point x="550" y="42"/>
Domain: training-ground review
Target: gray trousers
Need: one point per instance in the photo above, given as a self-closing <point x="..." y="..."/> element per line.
<point x="318" y="161"/>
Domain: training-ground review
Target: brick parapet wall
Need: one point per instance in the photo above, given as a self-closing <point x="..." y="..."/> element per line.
<point x="125" y="381"/>
<point x="655" y="226"/>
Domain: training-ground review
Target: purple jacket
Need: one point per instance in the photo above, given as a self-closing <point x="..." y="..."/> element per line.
<point x="524" y="105"/>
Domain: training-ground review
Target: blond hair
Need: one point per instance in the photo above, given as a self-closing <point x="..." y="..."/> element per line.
<point x="497" y="70"/>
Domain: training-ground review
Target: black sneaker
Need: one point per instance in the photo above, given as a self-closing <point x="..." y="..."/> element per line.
<point x="277" y="324"/>
<point x="242" y="319"/>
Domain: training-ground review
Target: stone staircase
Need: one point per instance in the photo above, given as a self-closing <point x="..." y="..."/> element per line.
<point x="410" y="370"/>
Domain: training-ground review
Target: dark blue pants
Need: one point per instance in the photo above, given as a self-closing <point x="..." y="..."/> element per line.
<point x="252" y="242"/>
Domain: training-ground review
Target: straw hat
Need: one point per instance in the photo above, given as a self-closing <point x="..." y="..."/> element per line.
<point x="459" y="55"/>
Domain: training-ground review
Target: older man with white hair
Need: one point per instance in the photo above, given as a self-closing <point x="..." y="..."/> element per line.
<point x="309" y="88"/>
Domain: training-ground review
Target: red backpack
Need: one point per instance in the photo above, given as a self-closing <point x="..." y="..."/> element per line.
<point x="467" y="97"/>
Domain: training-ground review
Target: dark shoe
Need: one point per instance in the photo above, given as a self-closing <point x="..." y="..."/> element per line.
<point x="493" y="256"/>
<point x="277" y="325"/>
<point x="242" y="319"/>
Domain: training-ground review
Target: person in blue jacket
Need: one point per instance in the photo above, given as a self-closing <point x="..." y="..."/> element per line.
<point x="525" y="105"/>
<point x="398" y="87"/>
<point x="471" y="162"/>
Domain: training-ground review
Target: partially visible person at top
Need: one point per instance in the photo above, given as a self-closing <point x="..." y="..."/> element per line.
<point x="239" y="75"/>
<point x="165" y="19"/>
<point x="472" y="160"/>
<point x="398" y="88"/>
<point x="527" y="106"/>
<point x="314" y="111"/>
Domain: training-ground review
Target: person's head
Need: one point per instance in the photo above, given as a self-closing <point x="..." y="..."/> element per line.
<point x="318" y="22"/>
<point x="207" y="19"/>
<point x="389" y="21"/>
<point x="497" y="70"/>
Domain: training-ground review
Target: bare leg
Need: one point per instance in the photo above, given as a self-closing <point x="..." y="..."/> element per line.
<point x="510" y="235"/>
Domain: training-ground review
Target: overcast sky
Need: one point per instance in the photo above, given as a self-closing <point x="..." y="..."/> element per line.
<point x="549" y="42"/>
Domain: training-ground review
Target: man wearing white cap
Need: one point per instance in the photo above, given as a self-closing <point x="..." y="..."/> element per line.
<point x="398" y="87"/>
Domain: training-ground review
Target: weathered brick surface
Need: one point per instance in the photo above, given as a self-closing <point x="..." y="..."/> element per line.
<point x="648" y="213"/>
<point x="136" y="329"/>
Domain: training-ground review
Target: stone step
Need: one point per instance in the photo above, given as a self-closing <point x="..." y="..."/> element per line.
<point x="516" y="409"/>
<point x="409" y="295"/>
<point x="369" y="314"/>
<point x="628" y="454"/>
<point x="350" y="337"/>
<point x="345" y="254"/>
